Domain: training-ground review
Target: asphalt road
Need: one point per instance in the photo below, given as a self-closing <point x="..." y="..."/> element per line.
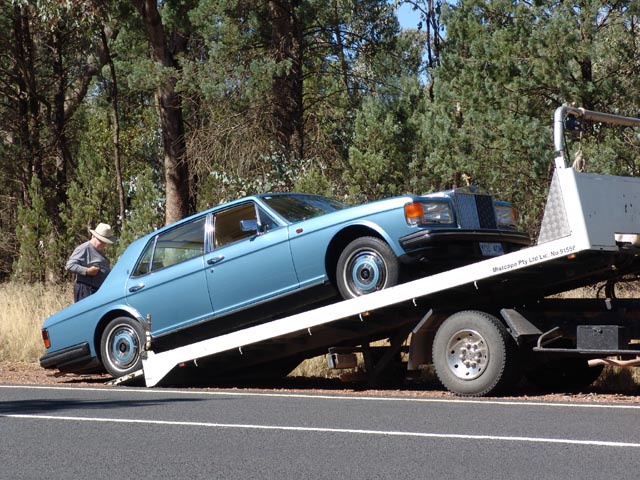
<point x="106" y="433"/>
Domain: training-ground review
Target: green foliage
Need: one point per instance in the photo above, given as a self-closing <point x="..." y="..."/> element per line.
<point x="271" y="173"/>
<point x="505" y="67"/>
<point x="386" y="135"/>
<point x="34" y="235"/>
<point x="313" y="179"/>
<point x="240" y="72"/>
<point x="146" y="212"/>
<point x="91" y="198"/>
<point x="311" y="95"/>
<point x="379" y="158"/>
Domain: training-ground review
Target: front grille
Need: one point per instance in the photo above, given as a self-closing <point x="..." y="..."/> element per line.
<point x="475" y="211"/>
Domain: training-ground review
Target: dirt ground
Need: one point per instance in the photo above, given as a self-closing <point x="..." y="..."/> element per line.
<point x="19" y="373"/>
<point x="16" y="373"/>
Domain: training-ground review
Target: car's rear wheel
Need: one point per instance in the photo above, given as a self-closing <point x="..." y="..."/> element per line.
<point x="121" y="346"/>
<point x="366" y="265"/>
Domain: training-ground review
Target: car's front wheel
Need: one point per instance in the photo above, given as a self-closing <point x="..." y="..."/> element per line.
<point x="366" y="265"/>
<point x="121" y="346"/>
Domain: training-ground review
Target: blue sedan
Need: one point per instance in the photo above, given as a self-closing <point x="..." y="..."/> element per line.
<point x="253" y="259"/>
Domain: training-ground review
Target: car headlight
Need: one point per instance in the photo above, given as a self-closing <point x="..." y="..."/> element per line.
<point x="420" y="213"/>
<point x="506" y="217"/>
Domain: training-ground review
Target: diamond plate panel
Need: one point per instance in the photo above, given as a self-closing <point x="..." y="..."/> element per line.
<point x="555" y="223"/>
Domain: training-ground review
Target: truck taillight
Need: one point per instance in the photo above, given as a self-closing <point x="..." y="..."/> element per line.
<point x="45" y="338"/>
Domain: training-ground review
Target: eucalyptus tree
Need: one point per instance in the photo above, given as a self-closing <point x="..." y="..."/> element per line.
<point x="279" y="81"/>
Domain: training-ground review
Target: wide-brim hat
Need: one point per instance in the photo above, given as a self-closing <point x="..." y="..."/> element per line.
<point x="103" y="233"/>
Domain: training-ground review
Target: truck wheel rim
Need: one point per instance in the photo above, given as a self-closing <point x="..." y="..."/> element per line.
<point x="366" y="272"/>
<point x="124" y="346"/>
<point x="467" y="354"/>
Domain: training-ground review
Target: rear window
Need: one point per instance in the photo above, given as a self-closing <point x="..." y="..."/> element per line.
<point x="171" y="247"/>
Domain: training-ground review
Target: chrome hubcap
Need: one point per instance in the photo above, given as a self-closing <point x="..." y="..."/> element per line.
<point x="467" y="354"/>
<point x="366" y="272"/>
<point x="124" y="347"/>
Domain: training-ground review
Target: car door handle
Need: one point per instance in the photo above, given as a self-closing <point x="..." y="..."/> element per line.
<point x="213" y="261"/>
<point x="137" y="287"/>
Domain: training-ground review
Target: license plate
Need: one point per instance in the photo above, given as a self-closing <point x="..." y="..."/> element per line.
<point x="491" y="249"/>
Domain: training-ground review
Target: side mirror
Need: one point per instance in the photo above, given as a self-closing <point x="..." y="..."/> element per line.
<point x="253" y="226"/>
<point x="249" y="225"/>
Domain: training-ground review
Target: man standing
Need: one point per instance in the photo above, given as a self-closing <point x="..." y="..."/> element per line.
<point x="89" y="263"/>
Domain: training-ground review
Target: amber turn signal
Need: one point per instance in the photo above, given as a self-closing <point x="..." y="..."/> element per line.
<point x="414" y="213"/>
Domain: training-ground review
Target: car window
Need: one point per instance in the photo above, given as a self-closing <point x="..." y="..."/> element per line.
<point x="226" y="224"/>
<point x="144" y="263"/>
<point x="227" y="227"/>
<point x="266" y="221"/>
<point x="296" y="207"/>
<point x="174" y="246"/>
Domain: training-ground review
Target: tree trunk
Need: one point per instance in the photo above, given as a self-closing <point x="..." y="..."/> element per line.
<point x="116" y="130"/>
<point x="28" y="139"/>
<point x="169" y="105"/>
<point x="57" y="183"/>
<point x="286" y="43"/>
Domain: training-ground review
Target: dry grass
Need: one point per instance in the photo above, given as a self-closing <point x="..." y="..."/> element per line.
<point x="23" y="309"/>
<point x="620" y="380"/>
<point x="314" y="367"/>
<point x="623" y="290"/>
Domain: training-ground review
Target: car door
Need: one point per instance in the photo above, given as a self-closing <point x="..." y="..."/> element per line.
<point x="169" y="281"/>
<point x="247" y="266"/>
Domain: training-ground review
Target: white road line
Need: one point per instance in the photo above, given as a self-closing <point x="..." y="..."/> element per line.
<point x="480" y="401"/>
<point x="500" y="438"/>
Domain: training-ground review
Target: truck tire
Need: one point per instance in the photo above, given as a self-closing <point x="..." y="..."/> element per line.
<point x="121" y="346"/>
<point x="474" y="355"/>
<point x="366" y="265"/>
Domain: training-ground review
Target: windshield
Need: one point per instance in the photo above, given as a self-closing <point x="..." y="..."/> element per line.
<point x="296" y="207"/>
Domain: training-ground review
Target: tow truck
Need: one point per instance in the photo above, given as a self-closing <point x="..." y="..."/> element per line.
<point x="483" y="325"/>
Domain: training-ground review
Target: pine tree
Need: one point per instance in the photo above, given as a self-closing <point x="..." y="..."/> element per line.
<point x="505" y="67"/>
